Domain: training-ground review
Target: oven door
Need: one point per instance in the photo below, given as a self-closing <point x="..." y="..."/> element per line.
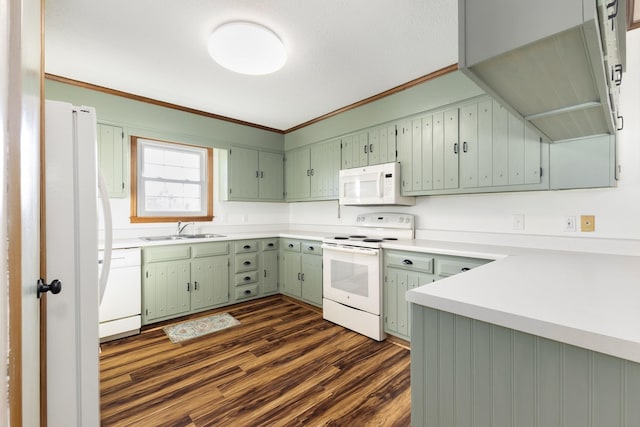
<point x="351" y="276"/>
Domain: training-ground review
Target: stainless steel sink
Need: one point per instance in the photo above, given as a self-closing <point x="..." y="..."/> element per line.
<point x="182" y="237"/>
<point x="201" y="236"/>
<point x="158" y="238"/>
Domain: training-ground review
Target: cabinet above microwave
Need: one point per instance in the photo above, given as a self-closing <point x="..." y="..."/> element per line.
<point x="557" y="64"/>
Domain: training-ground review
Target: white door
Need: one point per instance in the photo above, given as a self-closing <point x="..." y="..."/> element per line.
<point x="72" y="257"/>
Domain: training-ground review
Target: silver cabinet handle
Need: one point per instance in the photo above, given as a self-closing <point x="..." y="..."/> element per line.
<point x="371" y="148"/>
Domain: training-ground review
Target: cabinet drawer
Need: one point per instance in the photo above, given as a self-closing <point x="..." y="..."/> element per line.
<point x="246" y="262"/>
<point x="291" y="245"/>
<point x="409" y="261"/>
<point x="246" y="291"/>
<point x="269" y="244"/>
<point x="165" y="253"/>
<point x="247" y="277"/>
<point x="312" y="248"/>
<point x="449" y="267"/>
<point x="246" y="246"/>
<point x="209" y="249"/>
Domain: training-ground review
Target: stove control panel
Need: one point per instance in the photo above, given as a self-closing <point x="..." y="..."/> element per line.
<point x="385" y="220"/>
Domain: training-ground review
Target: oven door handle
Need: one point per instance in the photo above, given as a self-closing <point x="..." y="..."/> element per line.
<point x="351" y="250"/>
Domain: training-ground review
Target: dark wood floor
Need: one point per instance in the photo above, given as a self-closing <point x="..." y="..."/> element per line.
<point x="283" y="366"/>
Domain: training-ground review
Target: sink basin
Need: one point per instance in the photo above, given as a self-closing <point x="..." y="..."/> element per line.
<point x="201" y="236"/>
<point x="182" y="237"/>
<point x="158" y="238"/>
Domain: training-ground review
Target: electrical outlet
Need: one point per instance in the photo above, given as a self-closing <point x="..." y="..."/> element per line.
<point x="569" y="223"/>
<point x="587" y="223"/>
<point x="518" y="222"/>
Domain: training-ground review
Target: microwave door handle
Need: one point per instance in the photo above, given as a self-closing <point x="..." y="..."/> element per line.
<point x="380" y="183"/>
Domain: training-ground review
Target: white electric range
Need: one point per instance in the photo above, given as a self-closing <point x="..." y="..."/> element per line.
<point x="352" y="271"/>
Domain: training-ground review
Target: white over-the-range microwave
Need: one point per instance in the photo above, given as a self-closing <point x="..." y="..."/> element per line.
<point x="373" y="185"/>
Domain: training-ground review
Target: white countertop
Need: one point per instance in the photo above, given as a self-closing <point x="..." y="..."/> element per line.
<point x="584" y="299"/>
<point x="587" y="300"/>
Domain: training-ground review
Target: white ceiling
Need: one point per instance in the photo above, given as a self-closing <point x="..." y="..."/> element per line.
<point x="340" y="52"/>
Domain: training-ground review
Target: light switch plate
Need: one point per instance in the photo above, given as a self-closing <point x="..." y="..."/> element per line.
<point x="587" y="223"/>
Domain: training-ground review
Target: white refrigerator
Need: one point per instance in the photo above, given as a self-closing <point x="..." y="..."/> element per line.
<point x="71" y="205"/>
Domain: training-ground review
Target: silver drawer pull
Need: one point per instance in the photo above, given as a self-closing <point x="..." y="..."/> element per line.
<point x="246" y="278"/>
<point x="463" y="269"/>
<point x="246" y="247"/>
<point x="246" y="263"/>
<point x="407" y="262"/>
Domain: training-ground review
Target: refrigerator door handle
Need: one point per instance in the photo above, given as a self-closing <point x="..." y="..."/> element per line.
<point x="108" y="234"/>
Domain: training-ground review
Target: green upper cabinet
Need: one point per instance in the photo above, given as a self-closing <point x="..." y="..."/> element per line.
<point x="312" y="172"/>
<point x="476" y="146"/>
<point x="255" y="175"/>
<point x="112" y="158"/>
<point x="370" y="147"/>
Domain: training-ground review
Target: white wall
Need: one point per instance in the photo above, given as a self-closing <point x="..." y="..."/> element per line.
<point x="487" y="218"/>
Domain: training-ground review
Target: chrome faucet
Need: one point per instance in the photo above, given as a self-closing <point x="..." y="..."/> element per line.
<point x="182" y="226"/>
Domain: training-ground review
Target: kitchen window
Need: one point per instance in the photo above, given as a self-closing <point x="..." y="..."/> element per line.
<point x="170" y="181"/>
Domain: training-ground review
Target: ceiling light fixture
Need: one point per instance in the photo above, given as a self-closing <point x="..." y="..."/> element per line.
<point x="247" y="48"/>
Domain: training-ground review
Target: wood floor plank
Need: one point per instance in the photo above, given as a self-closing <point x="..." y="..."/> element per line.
<point x="282" y="366"/>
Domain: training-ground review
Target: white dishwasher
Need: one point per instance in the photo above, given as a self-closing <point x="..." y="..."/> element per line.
<point x="120" y="309"/>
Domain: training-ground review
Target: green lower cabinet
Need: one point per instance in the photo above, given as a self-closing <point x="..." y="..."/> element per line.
<point x="269" y="267"/>
<point x="404" y="271"/>
<point x="311" y="289"/>
<point x="301" y="270"/>
<point x="210" y="282"/>
<point x="165" y="290"/>
<point x="183" y="279"/>
<point x="396" y="308"/>
<point x="255" y="268"/>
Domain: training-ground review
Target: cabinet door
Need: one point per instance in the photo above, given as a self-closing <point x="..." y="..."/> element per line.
<point x="325" y="166"/>
<point x="291" y="283"/>
<point x="451" y="148"/>
<point x="355" y="150"/>
<point x="390" y="303"/>
<point x="312" y="279"/>
<point x="516" y="151"/>
<point x="298" y="173"/>
<point x="361" y="145"/>
<point x="532" y="161"/>
<point x="271" y="182"/>
<point x="382" y="144"/>
<point x="112" y="158"/>
<point x="269" y="272"/>
<point x="469" y="141"/>
<point x="427" y="152"/>
<point x="485" y="143"/>
<point x="438" y="151"/>
<point x="243" y="173"/>
<point x="405" y="147"/>
<point x="210" y="282"/>
<point x="166" y="289"/>
<point x="387" y="144"/>
<point x="417" y="167"/>
<point x="500" y="145"/>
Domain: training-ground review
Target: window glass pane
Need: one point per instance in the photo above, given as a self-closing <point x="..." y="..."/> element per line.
<point x="172" y="179"/>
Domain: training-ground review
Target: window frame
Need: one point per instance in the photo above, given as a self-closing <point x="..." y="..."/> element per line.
<point x="135" y="218"/>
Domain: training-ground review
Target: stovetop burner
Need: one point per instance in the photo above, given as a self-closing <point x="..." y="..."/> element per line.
<point x="357" y="236"/>
<point x="372" y="240"/>
<point x="341" y="238"/>
<point x="389" y="238"/>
